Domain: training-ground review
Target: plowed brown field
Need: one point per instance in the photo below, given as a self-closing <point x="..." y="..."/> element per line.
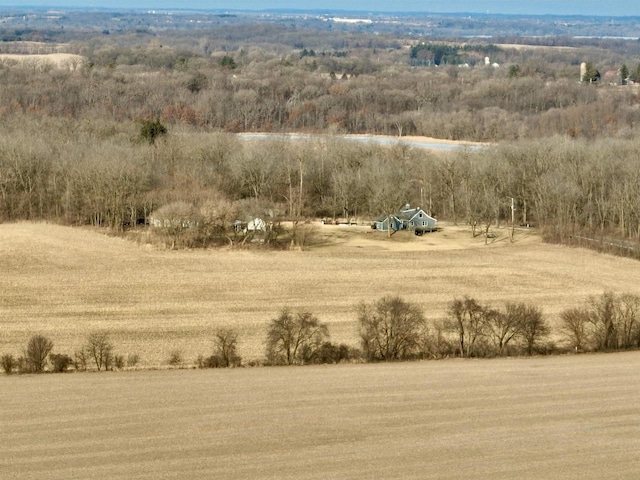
<point x="564" y="417"/>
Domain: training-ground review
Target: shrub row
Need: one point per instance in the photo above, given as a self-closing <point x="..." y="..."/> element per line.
<point x="390" y="329"/>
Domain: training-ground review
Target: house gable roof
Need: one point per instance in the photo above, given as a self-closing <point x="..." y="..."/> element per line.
<point x="408" y="213"/>
<point x="383" y="217"/>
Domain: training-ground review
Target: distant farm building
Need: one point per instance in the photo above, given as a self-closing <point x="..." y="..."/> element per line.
<point x="251" y="226"/>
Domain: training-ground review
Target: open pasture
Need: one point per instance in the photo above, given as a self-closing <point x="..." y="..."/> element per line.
<point x="66" y="282"/>
<point x="39" y="61"/>
<point x="569" y="417"/>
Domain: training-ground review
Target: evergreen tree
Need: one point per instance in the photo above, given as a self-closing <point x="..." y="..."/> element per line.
<point x="152" y="129"/>
<point x="624" y="74"/>
<point x="591" y="74"/>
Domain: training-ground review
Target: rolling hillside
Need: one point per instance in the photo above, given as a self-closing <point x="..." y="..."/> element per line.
<point x="65" y="282"/>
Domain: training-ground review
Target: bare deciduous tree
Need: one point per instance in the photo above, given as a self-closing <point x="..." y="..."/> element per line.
<point x="175" y="358"/>
<point x="390" y="329"/>
<point x="615" y="320"/>
<point x="226" y="342"/>
<point x="469" y="323"/>
<point x="8" y="363"/>
<point x="628" y="313"/>
<point x="503" y="327"/>
<point x="100" y="349"/>
<point x="37" y="351"/>
<point x="290" y="335"/>
<point x="533" y="327"/>
<point x="575" y="327"/>
<point x="602" y="315"/>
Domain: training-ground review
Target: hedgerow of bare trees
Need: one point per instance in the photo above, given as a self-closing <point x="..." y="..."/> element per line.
<point x="481" y="330"/>
<point x="390" y="329"/>
<point x="608" y="322"/>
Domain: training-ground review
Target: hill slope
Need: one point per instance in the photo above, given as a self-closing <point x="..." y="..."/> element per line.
<point x="65" y="282"/>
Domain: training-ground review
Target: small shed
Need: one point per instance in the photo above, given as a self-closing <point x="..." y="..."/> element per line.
<point x="253" y="225"/>
<point x="256" y="224"/>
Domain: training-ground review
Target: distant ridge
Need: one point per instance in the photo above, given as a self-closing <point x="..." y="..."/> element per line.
<point x="488" y="8"/>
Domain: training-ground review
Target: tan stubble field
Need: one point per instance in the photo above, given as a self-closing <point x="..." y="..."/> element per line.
<point x="568" y="417"/>
<point x="66" y="282"/>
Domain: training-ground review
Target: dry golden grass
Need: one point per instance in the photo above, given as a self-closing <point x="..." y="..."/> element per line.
<point x="65" y="282"/>
<point x="58" y="60"/>
<point x="568" y="417"/>
<point x="519" y="46"/>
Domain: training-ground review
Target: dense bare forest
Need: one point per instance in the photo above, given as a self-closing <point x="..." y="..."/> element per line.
<point x="75" y="145"/>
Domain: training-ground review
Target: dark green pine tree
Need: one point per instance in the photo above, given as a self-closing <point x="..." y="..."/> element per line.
<point x="591" y="74"/>
<point x="624" y="74"/>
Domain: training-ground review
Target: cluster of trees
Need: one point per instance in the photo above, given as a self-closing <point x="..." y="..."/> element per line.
<point x="393" y="329"/>
<point x="447" y="54"/>
<point x="300" y="338"/>
<point x="209" y="84"/>
<point x="389" y="329"/>
<point x="39" y="355"/>
<point x="98" y="353"/>
<point x="606" y="322"/>
<point x="196" y="184"/>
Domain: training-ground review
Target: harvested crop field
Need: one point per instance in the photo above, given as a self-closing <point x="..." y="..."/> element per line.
<point x="66" y="282"/>
<point x="569" y="417"/>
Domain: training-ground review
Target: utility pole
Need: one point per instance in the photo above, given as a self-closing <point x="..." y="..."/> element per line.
<point x="513" y="218"/>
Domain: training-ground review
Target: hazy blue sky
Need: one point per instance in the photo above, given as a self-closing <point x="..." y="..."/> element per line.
<point x="533" y="7"/>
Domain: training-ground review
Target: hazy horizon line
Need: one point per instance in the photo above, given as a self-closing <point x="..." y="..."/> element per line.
<point x="314" y="10"/>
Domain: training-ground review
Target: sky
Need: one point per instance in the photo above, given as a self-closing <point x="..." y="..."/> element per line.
<point x="524" y="7"/>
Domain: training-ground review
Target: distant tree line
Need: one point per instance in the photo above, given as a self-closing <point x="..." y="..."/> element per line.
<point x="139" y="130"/>
<point x="74" y="25"/>
<point x="446" y="54"/>
<point x="194" y="185"/>
<point x="352" y="87"/>
<point x="389" y="329"/>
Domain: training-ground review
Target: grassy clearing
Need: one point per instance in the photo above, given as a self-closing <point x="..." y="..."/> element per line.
<point x="65" y="282"/>
<point x="56" y="60"/>
<point x="564" y="417"/>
